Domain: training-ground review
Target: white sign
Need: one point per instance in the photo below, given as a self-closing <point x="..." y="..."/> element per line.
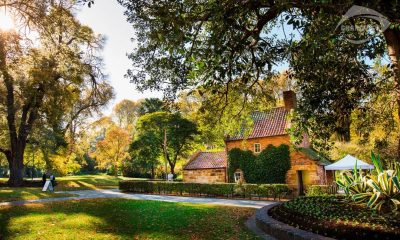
<point x="47" y="185"/>
<point x="170" y="177"/>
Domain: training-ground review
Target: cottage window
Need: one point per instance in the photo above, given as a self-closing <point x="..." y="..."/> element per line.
<point x="238" y="176"/>
<point x="257" y="147"/>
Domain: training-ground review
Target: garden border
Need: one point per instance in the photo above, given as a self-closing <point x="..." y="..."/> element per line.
<point x="281" y="230"/>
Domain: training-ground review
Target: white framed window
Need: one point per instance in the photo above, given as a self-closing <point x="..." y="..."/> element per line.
<point x="257" y="147"/>
<point x="238" y="176"/>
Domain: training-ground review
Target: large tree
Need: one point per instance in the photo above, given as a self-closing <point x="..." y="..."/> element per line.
<point x="332" y="81"/>
<point x="145" y="153"/>
<point x="172" y="134"/>
<point x="186" y="44"/>
<point x="42" y="81"/>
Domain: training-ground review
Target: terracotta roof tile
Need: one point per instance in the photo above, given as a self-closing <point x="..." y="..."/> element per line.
<point x="266" y="124"/>
<point x="207" y="160"/>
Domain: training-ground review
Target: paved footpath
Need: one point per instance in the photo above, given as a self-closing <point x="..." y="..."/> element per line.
<point x="115" y="193"/>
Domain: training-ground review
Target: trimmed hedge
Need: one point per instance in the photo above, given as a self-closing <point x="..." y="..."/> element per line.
<point x="203" y="189"/>
<point x="320" y="190"/>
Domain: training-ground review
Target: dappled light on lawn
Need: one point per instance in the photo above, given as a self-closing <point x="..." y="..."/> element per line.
<point x="123" y="219"/>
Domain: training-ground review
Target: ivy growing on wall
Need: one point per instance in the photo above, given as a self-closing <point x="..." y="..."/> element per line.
<point x="270" y="166"/>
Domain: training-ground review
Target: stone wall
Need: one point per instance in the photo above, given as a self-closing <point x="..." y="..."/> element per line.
<point x="313" y="174"/>
<point x="205" y="175"/>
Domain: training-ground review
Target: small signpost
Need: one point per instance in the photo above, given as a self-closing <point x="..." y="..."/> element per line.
<point x="48" y="186"/>
<point x="170" y="177"/>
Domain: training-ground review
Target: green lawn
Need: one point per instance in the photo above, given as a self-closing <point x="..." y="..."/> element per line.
<point x="123" y="219"/>
<point x="80" y="182"/>
<point x="88" y="182"/>
<point x="14" y="194"/>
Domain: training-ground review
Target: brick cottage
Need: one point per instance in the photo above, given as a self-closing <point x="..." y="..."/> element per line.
<point x="307" y="167"/>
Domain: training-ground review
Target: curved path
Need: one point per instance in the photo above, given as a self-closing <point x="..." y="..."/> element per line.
<point x="115" y="193"/>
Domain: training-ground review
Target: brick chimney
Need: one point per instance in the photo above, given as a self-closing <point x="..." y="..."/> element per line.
<point x="289" y="98"/>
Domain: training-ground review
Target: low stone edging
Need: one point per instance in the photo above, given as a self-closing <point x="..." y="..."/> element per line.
<point x="280" y="230"/>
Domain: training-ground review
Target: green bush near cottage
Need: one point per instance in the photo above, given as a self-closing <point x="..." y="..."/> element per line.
<point x="275" y="191"/>
<point x="270" y="166"/>
<point x="320" y="190"/>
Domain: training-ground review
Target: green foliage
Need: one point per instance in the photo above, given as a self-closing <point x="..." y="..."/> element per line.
<point x="151" y="105"/>
<point x="270" y="166"/>
<point x="320" y="190"/>
<point x="171" y="128"/>
<point x="214" y="189"/>
<point x="379" y="190"/>
<point x="243" y="160"/>
<point x="338" y="82"/>
<point x="145" y="154"/>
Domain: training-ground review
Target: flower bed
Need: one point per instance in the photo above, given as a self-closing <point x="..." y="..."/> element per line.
<point x="337" y="217"/>
<point x="275" y="191"/>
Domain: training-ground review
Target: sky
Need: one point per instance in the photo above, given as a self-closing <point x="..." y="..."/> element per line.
<point x="106" y="17"/>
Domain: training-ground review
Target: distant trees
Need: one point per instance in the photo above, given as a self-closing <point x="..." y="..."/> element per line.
<point x="170" y="136"/>
<point x="151" y="105"/>
<point x="112" y="150"/>
<point x="126" y="113"/>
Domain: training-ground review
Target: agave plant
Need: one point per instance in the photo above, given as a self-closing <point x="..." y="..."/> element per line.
<point x="378" y="189"/>
<point x="353" y="183"/>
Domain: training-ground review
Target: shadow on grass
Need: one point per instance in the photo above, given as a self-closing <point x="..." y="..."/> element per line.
<point x="126" y="219"/>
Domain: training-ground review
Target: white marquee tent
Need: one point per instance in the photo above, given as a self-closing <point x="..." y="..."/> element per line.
<point x="348" y="163"/>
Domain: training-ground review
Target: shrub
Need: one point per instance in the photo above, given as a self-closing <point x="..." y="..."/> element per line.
<point x="319" y="190"/>
<point x="203" y="189"/>
<point x="270" y="166"/>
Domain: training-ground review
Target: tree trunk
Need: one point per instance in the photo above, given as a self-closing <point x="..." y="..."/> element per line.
<point x="172" y="167"/>
<point x="392" y="37"/>
<point x="152" y="171"/>
<point x="343" y="128"/>
<point x="16" y="164"/>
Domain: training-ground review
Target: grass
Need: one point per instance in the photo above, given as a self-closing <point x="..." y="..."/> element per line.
<point x="81" y="182"/>
<point x="14" y="194"/>
<point x="123" y="219"/>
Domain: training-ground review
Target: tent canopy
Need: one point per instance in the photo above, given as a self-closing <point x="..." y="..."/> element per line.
<point x="348" y="163"/>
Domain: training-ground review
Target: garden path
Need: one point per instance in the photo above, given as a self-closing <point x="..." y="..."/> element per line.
<point x="115" y="193"/>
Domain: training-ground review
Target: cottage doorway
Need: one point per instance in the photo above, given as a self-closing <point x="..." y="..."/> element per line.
<point x="300" y="183"/>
